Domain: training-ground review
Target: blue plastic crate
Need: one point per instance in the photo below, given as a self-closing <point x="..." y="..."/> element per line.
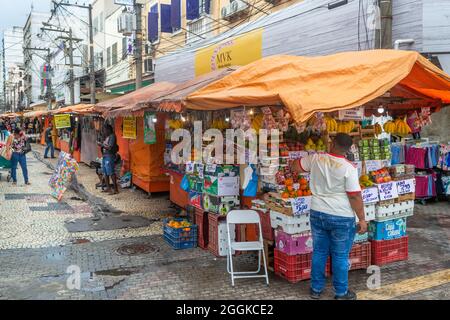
<point x="387" y="230"/>
<point x="179" y="232"/>
<point x="183" y="243"/>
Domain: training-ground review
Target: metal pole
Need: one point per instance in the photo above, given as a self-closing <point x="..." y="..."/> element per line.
<point x="91" y="54"/>
<point x="72" y="81"/>
<point x="138" y="51"/>
<point x="49" y="82"/>
<point x="386" y="24"/>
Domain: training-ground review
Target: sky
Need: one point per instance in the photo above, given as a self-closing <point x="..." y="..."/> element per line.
<point x="15" y="12"/>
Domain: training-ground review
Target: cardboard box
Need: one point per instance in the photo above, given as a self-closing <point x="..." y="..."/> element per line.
<point x="221" y="186"/>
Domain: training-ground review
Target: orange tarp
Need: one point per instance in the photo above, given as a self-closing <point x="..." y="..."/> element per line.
<point x="35" y="114"/>
<point x="306" y="85"/>
<point x="73" y="109"/>
<point x="133" y="99"/>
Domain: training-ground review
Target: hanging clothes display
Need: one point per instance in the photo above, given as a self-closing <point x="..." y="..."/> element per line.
<point x="444" y="157"/>
<point x="423" y="157"/>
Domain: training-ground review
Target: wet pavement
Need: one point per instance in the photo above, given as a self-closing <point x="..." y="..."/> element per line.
<point x="41" y="259"/>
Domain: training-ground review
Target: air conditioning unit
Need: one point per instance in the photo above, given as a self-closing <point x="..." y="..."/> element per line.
<point x="126" y="23"/>
<point x="233" y="9"/>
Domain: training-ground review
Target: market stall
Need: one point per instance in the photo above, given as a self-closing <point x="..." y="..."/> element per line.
<point x="143" y="156"/>
<point x="309" y="100"/>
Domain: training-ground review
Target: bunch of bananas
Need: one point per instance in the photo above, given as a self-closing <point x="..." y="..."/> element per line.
<point x="258" y="122"/>
<point x="390" y="127"/>
<point x="220" y="124"/>
<point x="176" y="124"/>
<point x="378" y="129"/>
<point x="346" y="126"/>
<point x="402" y="127"/>
<point x="331" y="124"/>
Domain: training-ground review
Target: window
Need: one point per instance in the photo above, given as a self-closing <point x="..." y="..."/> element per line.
<point x="101" y="22"/>
<point x="99" y="60"/>
<point x="95" y="23"/>
<point x="148" y="65"/>
<point x="124" y="48"/>
<point x="202" y="7"/>
<point x="197" y="30"/>
<point x="108" y="57"/>
<point x="114" y="53"/>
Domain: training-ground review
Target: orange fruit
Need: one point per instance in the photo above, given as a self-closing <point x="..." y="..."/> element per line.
<point x="299" y="193"/>
<point x="303" y="181"/>
<point x="289" y="182"/>
<point x="303" y="187"/>
<point x="290" y="188"/>
<point x="285" y="195"/>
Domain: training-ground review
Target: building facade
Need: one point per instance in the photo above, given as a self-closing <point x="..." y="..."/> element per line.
<point x="12" y="68"/>
<point x="34" y="60"/>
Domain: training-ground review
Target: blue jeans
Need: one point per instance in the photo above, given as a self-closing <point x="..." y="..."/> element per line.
<point x="108" y="165"/>
<point x="19" y="158"/>
<point x="332" y="235"/>
<point x="51" y="148"/>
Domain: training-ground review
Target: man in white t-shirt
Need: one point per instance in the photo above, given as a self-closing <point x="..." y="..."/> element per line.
<point x="336" y="199"/>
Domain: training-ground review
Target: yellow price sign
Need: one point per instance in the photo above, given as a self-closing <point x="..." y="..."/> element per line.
<point x="62" y="121"/>
<point x="129" y="128"/>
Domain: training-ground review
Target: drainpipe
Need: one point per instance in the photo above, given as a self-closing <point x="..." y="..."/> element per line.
<point x="399" y="42"/>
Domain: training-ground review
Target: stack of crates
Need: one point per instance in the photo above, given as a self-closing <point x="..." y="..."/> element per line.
<point x="388" y="235"/>
<point x="180" y="238"/>
<point x="201" y="219"/>
<point x="218" y="240"/>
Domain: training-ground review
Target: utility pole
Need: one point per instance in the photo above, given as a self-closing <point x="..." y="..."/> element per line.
<point x="91" y="57"/>
<point x="138" y="51"/>
<point x="91" y="44"/>
<point x="71" y="73"/>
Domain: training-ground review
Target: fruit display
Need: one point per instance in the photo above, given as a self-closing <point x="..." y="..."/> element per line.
<point x="365" y="181"/>
<point x="398" y="127"/>
<point x="176" y="124"/>
<point x="332" y="125"/>
<point x="346" y="126"/>
<point x="301" y="189"/>
<point x="220" y="124"/>
<point x="380" y="176"/>
<point x="374" y="149"/>
<point x="179" y="224"/>
<point x="378" y="129"/>
<point x="318" y="146"/>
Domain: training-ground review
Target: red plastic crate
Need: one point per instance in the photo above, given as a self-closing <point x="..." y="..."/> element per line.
<point x="201" y="219"/>
<point x="387" y="251"/>
<point x="295" y="268"/>
<point x="266" y="226"/>
<point x="360" y="256"/>
<point x="213" y="231"/>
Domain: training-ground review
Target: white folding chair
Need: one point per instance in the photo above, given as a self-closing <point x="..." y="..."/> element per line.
<point x="245" y="217"/>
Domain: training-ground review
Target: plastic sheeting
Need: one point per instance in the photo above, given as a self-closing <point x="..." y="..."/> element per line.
<point x="306" y="85"/>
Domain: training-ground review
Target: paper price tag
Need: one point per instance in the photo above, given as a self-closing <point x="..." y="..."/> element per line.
<point x="189" y="167"/>
<point x="388" y="191"/>
<point x="293" y="155"/>
<point x="200" y="170"/>
<point x="301" y="205"/>
<point x="211" y="168"/>
<point x="406" y="186"/>
<point x="370" y="195"/>
<point x="373" y="165"/>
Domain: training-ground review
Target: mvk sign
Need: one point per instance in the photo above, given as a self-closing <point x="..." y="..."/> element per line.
<point x="237" y="51"/>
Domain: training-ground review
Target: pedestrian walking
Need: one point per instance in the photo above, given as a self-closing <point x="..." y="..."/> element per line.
<point x="49" y="142"/>
<point x="336" y="198"/>
<point x="18" y="143"/>
<point x="109" y="151"/>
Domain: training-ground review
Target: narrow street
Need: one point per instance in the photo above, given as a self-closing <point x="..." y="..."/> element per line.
<point x="122" y="255"/>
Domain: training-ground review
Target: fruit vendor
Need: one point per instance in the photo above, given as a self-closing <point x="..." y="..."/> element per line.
<point x="336" y="198"/>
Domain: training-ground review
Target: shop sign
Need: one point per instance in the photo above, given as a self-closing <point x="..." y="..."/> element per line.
<point x="356" y="114"/>
<point x="211" y="168"/>
<point x="406" y="186"/>
<point x="301" y="205"/>
<point x="388" y="191"/>
<point x="237" y="51"/>
<point x="62" y="121"/>
<point x="370" y="195"/>
<point x="149" y="128"/>
<point x="129" y="128"/>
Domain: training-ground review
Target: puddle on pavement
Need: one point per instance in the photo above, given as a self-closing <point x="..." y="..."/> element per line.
<point x="117" y="272"/>
<point x="136" y="249"/>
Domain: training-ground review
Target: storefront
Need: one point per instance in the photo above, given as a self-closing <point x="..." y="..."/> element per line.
<point x="309" y="101"/>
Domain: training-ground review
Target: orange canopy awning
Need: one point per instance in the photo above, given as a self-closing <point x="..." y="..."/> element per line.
<point x="35" y="114"/>
<point x="306" y="85"/>
<point x="133" y="99"/>
<point x="73" y="109"/>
